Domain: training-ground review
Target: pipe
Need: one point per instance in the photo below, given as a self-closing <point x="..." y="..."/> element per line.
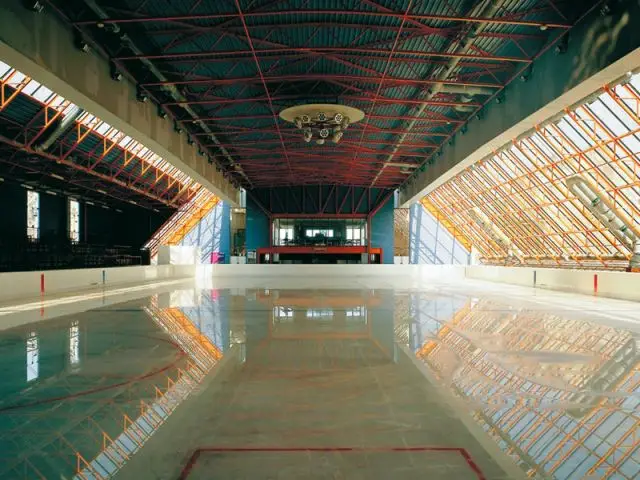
<point x="171" y="89"/>
<point x="496" y="234"/>
<point x="487" y="9"/>
<point x="466" y="90"/>
<point x="634" y="261"/>
<point x="608" y="215"/>
<point x="67" y="121"/>
<point x="602" y="207"/>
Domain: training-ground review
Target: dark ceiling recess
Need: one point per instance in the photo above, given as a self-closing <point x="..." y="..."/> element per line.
<point x="224" y="69"/>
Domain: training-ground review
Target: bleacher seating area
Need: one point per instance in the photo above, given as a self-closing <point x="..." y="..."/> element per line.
<point x="54" y="254"/>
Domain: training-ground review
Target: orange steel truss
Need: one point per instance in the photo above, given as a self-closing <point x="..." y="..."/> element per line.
<point x="153" y="176"/>
<point x="520" y="191"/>
<point x="182" y="221"/>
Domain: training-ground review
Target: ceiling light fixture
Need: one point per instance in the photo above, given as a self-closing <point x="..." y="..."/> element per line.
<point x="322" y="121"/>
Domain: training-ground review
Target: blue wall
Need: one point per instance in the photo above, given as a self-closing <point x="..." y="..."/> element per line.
<point x="430" y="242"/>
<point x="212" y="233"/>
<point x="382" y="231"/>
<point x="257" y="233"/>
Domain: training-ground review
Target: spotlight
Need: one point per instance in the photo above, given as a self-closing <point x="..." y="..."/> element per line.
<point x="320" y="141"/>
<point x="338" y="118"/>
<point x="116" y="75"/>
<point x="83" y="46"/>
<point x="161" y="112"/>
<point x="544" y="27"/>
<point x="324" y="133"/>
<point x="526" y="73"/>
<point x="37" y="7"/>
<point x="298" y="122"/>
<point x="322" y="117"/>
<point x="306" y="119"/>
<point x="337" y="136"/>
<point x="308" y="134"/>
<point x="141" y="95"/>
<point x="562" y="45"/>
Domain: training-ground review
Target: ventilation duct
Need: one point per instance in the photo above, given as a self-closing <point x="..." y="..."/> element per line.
<point x="465" y="90"/>
<point x="514" y="255"/>
<point x="487" y="9"/>
<point x="171" y="89"/>
<point x="607" y="214"/>
<point x="67" y="121"/>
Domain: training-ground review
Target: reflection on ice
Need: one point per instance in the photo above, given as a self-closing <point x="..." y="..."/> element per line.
<point x="559" y="395"/>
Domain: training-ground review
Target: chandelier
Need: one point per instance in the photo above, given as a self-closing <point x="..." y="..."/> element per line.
<point x="322" y="121"/>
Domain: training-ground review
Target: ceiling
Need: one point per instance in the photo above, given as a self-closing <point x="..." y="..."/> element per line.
<point x="224" y="69"/>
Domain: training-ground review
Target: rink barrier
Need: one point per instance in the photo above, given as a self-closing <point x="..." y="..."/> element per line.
<point x="622" y="285"/>
<point x="23" y="285"/>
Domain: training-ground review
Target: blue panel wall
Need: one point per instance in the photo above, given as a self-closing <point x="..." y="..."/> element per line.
<point x="212" y="233"/>
<point x="430" y="242"/>
<point x="382" y="231"/>
<point x="257" y="232"/>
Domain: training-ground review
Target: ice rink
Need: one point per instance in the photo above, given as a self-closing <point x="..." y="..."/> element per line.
<point x="290" y="378"/>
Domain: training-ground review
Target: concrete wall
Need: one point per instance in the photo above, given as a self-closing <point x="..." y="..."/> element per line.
<point x="22" y="285"/>
<point x="257" y="233"/>
<point x="382" y="231"/>
<point x="621" y="285"/>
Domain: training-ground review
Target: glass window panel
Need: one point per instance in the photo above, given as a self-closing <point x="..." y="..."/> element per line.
<point x="42" y="94"/>
<point x="33" y="215"/>
<point x="4" y="69"/>
<point x="74" y="220"/>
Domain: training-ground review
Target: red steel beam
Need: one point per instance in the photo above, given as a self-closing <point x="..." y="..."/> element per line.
<point x="264" y="83"/>
<point x="315" y="76"/>
<point x="319" y="51"/>
<point x="337" y="24"/>
<point x="257" y="143"/>
<point x="401" y="60"/>
<point x="296" y="136"/>
<point x="86" y="170"/>
<point x="232" y="101"/>
<point x="336" y="12"/>
<point x="372" y="117"/>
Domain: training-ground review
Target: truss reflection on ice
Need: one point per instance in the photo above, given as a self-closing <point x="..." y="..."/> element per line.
<point x="184" y="325"/>
<point x="561" y="396"/>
